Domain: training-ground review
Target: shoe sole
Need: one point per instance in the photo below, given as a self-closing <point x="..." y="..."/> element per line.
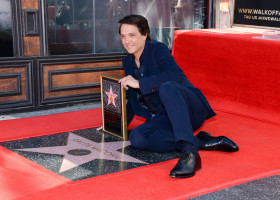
<point x="185" y="176"/>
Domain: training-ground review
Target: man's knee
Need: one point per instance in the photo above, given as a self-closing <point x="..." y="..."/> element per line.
<point x="169" y="91"/>
<point x="167" y="87"/>
<point x="137" y="139"/>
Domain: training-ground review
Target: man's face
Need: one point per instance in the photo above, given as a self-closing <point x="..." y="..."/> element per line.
<point x="132" y="39"/>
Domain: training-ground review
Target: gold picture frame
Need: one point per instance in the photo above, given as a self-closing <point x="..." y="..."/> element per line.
<point x="113" y="101"/>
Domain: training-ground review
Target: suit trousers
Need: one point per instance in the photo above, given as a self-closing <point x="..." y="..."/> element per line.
<point x="185" y="113"/>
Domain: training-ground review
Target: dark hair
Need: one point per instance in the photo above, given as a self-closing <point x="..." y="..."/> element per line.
<point x="139" y="21"/>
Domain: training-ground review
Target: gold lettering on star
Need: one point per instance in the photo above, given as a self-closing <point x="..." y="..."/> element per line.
<point x="104" y="151"/>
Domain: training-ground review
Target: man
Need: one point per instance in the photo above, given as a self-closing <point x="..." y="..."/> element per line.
<point x="159" y="91"/>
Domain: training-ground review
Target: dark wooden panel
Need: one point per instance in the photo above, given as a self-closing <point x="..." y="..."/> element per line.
<point x="16" y="90"/>
<point x="20" y="70"/>
<point x="75" y="79"/>
<point x="31" y="43"/>
<point x="66" y="80"/>
<point x="62" y="80"/>
<point x="17" y="28"/>
<point x="31" y="46"/>
<point x="10" y="84"/>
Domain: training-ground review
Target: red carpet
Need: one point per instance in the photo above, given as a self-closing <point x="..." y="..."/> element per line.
<point x="258" y="157"/>
<point x="20" y="176"/>
<point x="49" y="124"/>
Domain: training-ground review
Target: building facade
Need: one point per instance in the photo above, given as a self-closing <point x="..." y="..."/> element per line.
<point x="52" y="52"/>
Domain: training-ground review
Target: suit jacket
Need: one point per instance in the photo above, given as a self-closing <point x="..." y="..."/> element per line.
<point x="159" y="66"/>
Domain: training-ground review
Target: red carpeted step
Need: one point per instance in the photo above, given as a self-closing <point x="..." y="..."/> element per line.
<point x="49" y="124"/>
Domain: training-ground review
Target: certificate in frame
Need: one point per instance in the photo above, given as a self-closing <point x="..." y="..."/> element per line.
<point x="113" y="101"/>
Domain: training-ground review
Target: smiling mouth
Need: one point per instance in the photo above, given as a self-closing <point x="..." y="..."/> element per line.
<point x="129" y="48"/>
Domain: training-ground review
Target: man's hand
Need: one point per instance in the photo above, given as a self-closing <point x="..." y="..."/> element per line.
<point x="129" y="81"/>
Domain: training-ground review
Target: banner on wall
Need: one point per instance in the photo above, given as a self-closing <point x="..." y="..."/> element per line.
<point x="257" y="13"/>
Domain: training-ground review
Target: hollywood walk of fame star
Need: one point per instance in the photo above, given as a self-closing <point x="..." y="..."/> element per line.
<point x="80" y="150"/>
<point x="111" y="97"/>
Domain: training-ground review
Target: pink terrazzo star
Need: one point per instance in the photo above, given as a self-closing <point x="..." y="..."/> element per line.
<point x="111" y="97"/>
<point x="93" y="150"/>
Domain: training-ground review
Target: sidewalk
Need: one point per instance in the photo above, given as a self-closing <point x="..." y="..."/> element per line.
<point x="77" y="107"/>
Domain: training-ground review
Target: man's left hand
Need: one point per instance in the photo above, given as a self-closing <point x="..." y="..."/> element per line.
<point x="129" y="81"/>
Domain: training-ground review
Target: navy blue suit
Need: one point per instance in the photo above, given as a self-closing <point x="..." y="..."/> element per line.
<point x="174" y="107"/>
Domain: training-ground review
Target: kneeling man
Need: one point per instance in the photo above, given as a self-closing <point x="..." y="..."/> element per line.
<point x="159" y="91"/>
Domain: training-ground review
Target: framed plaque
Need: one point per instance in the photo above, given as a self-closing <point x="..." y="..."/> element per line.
<point x="113" y="101"/>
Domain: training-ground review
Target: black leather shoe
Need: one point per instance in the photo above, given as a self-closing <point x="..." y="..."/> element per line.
<point x="186" y="166"/>
<point x="220" y="143"/>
